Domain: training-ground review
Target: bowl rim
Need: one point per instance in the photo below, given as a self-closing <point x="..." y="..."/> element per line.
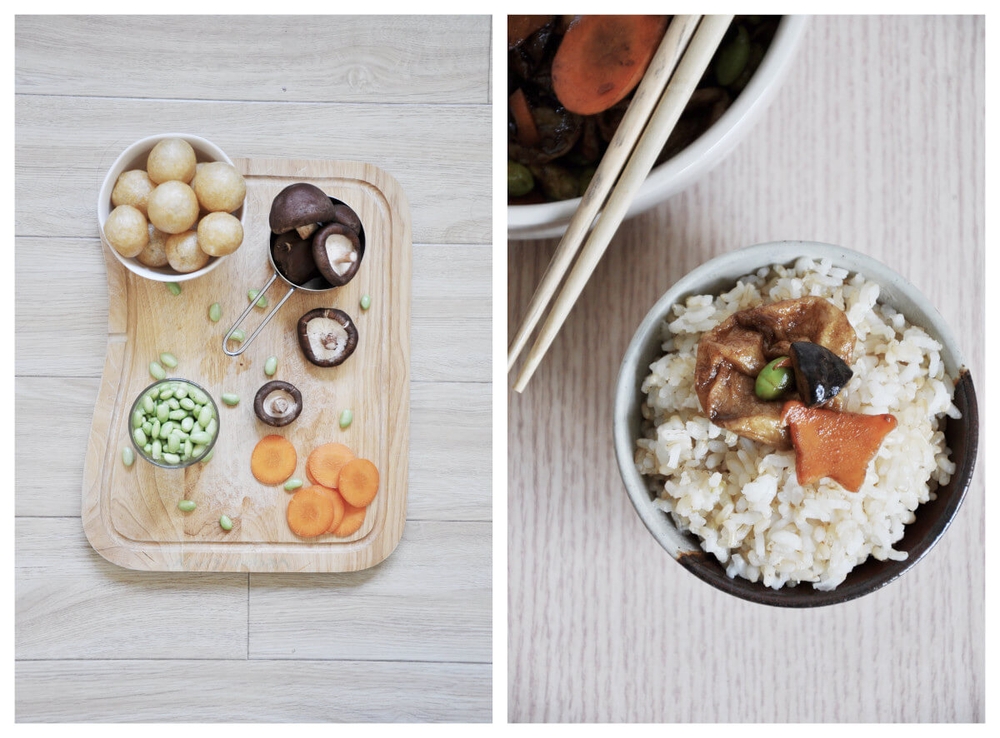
<point x="205" y="150"/>
<point x="135" y="404"/>
<point x="714" y="275"/>
<point x="546" y="220"/>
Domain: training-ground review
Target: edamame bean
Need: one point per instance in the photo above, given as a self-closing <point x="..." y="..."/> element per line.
<point x="214" y="312"/>
<point x="173" y="443"/>
<point x="238" y="335"/>
<point x="271" y="365"/>
<point x="252" y="295"/>
<point x="186" y="505"/>
<point x="208" y="456"/>
<point x="230" y="399"/>
<point x="162" y="412"/>
<point x="225" y="523"/>
<point x="187" y="424"/>
<point x="181" y="392"/>
<point x="171" y="458"/>
<point x="201" y="437"/>
<point x="366" y="301"/>
<point x="155" y="429"/>
<point x="157" y="451"/>
<point x="346" y="417"/>
<point x="187" y="403"/>
<point x="188" y="448"/>
<point x="205" y="416"/>
<point x="168" y="360"/>
<point x="138" y="418"/>
<point x="174" y="404"/>
<point x="197" y="450"/>
<point x="178" y="413"/>
<point x="774" y="379"/>
<point x="166" y="392"/>
<point x="519" y="179"/>
<point x="292" y="484"/>
<point x="732" y="58"/>
<point x="139" y="436"/>
<point x="148" y="405"/>
<point x="147" y="428"/>
<point x="147" y="449"/>
<point x="156" y="371"/>
<point x="128" y="456"/>
<point x="175" y="289"/>
<point x="212" y="427"/>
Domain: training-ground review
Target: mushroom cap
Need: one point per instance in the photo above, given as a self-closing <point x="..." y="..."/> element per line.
<point x="298" y="205"/>
<point x="293" y="257"/>
<point x="345" y="214"/>
<point x="277" y="403"/>
<point x="337" y="252"/>
<point x="327" y="336"/>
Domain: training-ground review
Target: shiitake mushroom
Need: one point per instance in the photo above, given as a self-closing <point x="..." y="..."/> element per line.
<point x="327" y="336"/>
<point x="820" y="374"/>
<point x="277" y="403"/>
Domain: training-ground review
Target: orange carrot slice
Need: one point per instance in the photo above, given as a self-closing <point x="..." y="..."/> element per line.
<point x="602" y="58"/>
<point x="834" y="444"/>
<point x="310" y="512"/>
<point x="323" y="465"/>
<point x="339" y="506"/>
<point x="354" y="518"/>
<point x="273" y="459"/>
<point x="527" y="131"/>
<point x="358" y="482"/>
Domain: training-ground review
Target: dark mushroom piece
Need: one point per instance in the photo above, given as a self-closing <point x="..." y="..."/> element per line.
<point x="293" y="257"/>
<point x="345" y="214"/>
<point x="327" y="336"/>
<point x="337" y="252"/>
<point x="819" y="373"/>
<point x="277" y="403"/>
<point x="300" y="207"/>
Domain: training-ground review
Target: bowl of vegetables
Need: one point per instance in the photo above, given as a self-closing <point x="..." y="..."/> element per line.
<point x="553" y="150"/>
<point x="174" y="423"/>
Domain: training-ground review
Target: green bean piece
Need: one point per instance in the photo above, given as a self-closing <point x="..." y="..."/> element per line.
<point x="173" y="443"/>
<point x="230" y="399"/>
<point x="148" y="405"/>
<point x="181" y="392"/>
<point x="238" y="335"/>
<point x="252" y="295"/>
<point x="138" y="418"/>
<point x="175" y="289"/>
<point x="293" y="484"/>
<point x="197" y="395"/>
<point x="774" y="379"/>
<point x="168" y="360"/>
<point x="366" y="301"/>
<point x="188" y="448"/>
<point x="346" y="417"/>
<point x="186" y="505"/>
<point x="147" y="428"/>
<point x="157" y="371"/>
<point x="732" y="58"/>
<point x="271" y="365"/>
<point x="225" y="523"/>
<point x="206" y="414"/>
<point x="201" y="437"/>
<point x="162" y="412"/>
<point x="157" y="451"/>
<point x="128" y="456"/>
<point x="166" y="392"/>
<point x="171" y="458"/>
<point x="155" y="429"/>
<point x="519" y="179"/>
<point x="187" y="403"/>
<point x="214" y="312"/>
<point x="187" y="424"/>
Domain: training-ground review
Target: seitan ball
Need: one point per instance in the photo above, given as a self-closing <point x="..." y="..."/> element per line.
<point x="132" y="188"/>
<point x="171" y="159"/>
<point x="173" y="207"/>
<point x="219" y="187"/>
<point x="220" y="234"/>
<point x="155" y="252"/>
<point x="126" y="230"/>
<point x="184" y="254"/>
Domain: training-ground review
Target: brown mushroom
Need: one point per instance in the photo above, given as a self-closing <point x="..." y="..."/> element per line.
<point x="346" y="215"/>
<point x="277" y="403"/>
<point x="731" y="355"/>
<point x="337" y="252"/>
<point x="327" y="336"/>
<point x="293" y="257"/>
<point x="300" y="207"/>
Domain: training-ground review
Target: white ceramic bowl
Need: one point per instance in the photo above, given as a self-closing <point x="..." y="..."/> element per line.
<point x="720" y="274"/>
<point x="549" y="220"/>
<point x="134" y="157"/>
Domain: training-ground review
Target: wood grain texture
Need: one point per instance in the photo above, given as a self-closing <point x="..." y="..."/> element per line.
<point x="858" y="149"/>
<point x="411" y="96"/>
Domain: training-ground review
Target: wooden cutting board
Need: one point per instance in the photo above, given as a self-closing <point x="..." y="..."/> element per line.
<point x="130" y="514"/>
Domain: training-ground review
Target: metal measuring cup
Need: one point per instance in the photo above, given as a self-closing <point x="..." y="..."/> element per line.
<point x="318" y="285"/>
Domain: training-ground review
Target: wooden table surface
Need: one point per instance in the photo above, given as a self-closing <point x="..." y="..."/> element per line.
<point x="875" y="142"/>
<point x="408" y="640"/>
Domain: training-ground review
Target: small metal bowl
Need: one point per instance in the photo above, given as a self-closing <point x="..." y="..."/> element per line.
<point x="158" y="386"/>
<point x="932" y="518"/>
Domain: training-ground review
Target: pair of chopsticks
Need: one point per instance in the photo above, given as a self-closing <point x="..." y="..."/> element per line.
<point x="682" y="57"/>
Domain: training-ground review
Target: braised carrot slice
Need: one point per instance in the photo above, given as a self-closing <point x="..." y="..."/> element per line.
<point x="527" y="130"/>
<point x="273" y="459"/>
<point x="310" y="512"/>
<point x="354" y="518"/>
<point x="359" y="482"/>
<point x="834" y="444"/>
<point x="323" y="465"/>
<point x="602" y="58"/>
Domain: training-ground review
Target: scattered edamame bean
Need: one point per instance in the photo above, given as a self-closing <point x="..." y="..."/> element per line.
<point x="346" y="417"/>
<point x="168" y="360"/>
<point x="156" y="371"/>
<point x="128" y="456"/>
<point x="293" y="484"/>
<point x="230" y="399"/>
<point x="252" y="295"/>
<point x="238" y="335"/>
<point x="774" y="379"/>
<point x="187" y="505"/>
<point x="225" y="523"/>
<point x="366" y="301"/>
<point x="271" y="365"/>
<point x="214" y="312"/>
<point x="175" y="289"/>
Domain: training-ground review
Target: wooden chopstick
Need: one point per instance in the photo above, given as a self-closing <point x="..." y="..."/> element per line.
<point x="682" y="84"/>
<point x="661" y="66"/>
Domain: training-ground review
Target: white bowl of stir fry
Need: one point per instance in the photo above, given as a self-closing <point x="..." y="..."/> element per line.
<point x="702" y="139"/>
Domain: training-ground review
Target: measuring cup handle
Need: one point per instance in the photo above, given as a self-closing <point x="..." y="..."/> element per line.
<point x="246" y="343"/>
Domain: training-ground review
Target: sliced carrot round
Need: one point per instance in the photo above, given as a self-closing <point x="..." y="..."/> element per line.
<point x="358" y="482"/>
<point x="339" y="506"/>
<point x="310" y="512"/>
<point x="273" y="459"/>
<point x="323" y="465"/>
<point x="354" y="518"/>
